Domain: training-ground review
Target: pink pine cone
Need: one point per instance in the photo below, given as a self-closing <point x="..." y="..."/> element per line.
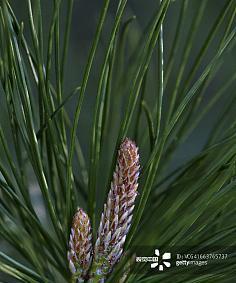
<point x="80" y="246"/>
<point x="117" y="214"/>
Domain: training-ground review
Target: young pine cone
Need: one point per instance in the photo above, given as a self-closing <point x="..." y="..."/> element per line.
<point x="80" y="246"/>
<point x="117" y="214"/>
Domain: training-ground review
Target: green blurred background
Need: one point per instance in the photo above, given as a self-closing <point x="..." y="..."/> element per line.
<point x="84" y="22"/>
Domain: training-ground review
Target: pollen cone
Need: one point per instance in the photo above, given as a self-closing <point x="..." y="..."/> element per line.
<point x="117" y="213"/>
<point x="80" y="246"/>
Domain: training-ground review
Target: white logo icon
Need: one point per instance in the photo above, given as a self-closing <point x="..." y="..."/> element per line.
<point x="164" y="258"/>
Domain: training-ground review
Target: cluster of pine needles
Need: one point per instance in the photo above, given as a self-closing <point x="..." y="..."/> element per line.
<point x="158" y="97"/>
